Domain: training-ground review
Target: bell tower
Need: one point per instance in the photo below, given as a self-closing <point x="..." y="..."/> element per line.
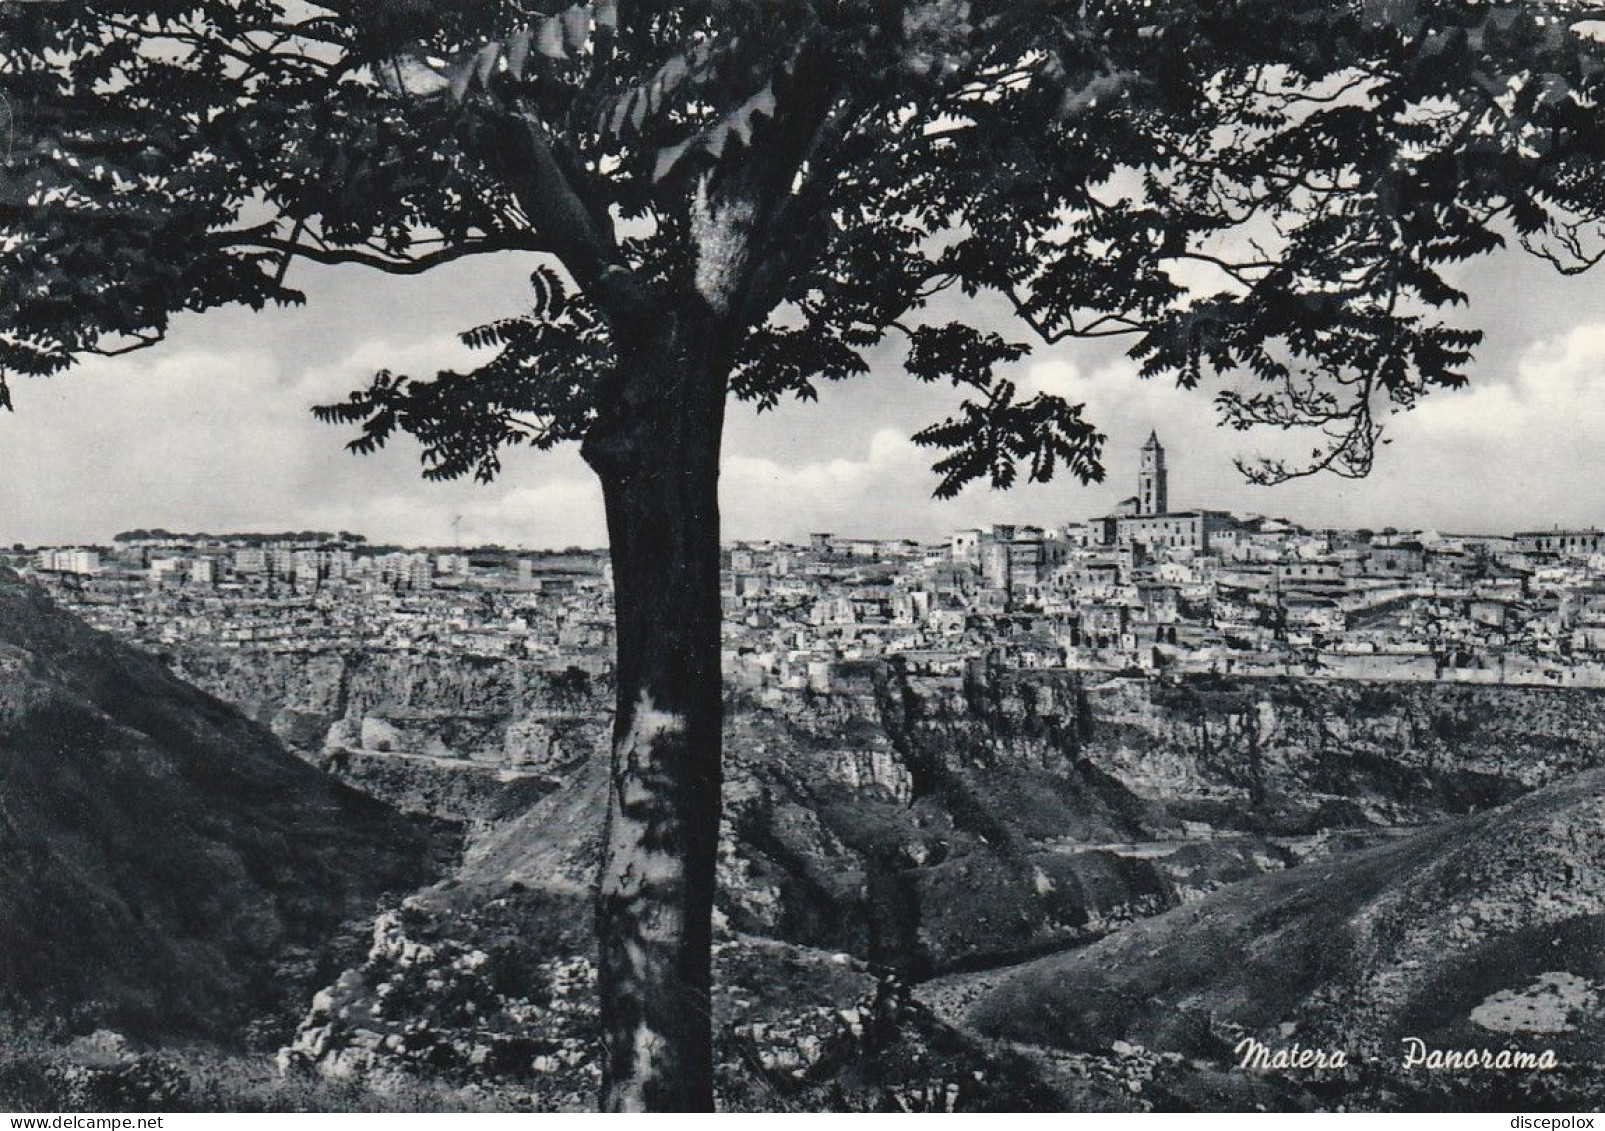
<point x="1153" y="489"/>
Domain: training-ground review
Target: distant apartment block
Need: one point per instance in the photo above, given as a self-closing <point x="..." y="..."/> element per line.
<point x="81" y="562"/>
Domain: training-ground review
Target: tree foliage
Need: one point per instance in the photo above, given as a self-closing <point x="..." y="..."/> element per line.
<point x="1269" y="197"/>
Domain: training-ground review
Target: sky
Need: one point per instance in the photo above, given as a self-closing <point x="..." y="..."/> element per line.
<point x="212" y="431"/>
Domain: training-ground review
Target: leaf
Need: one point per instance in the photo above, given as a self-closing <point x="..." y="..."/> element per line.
<point x="656" y="91"/>
<point x="461" y="75"/>
<point x="668" y="158"/>
<point x="668" y="77"/>
<point x="959" y="353"/>
<point x="621" y="113"/>
<point x="518" y="51"/>
<point x="576" y="29"/>
<point x="1552" y="88"/>
<point x="485" y="62"/>
<point x="762" y="103"/>
<point x="738" y="123"/>
<point x="549" y="37"/>
<point x="990" y="439"/>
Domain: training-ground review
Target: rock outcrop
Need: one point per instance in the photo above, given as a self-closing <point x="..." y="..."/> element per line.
<point x="511" y="713"/>
<point x="489" y="993"/>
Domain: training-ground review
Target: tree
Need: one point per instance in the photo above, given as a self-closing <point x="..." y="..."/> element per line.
<point x="740" y="199"/>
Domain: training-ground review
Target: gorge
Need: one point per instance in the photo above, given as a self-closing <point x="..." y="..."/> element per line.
<point x="938" y="889"/>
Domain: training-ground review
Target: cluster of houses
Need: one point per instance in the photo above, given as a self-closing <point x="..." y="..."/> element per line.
<point x="1149" y="588"/>
<point x="326" y="593"/>
<point x="1145" y="588"/>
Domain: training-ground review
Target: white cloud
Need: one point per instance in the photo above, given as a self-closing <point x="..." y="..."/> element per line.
<point x="421" y="358"/>
<point x="211" y="430"/>
<point x="562" y="510"/>
<point x="219" y="439"/>
<point x="885" y="491"/>
<point x="863" y="495"/>
<point x="1509" y="451"/>
<point x="1513" y="453"/>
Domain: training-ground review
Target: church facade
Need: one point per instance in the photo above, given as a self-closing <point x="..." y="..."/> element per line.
<point x="1147" y="519"/>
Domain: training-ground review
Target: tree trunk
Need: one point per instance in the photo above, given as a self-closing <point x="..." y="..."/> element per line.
<point x="657" y="455"/>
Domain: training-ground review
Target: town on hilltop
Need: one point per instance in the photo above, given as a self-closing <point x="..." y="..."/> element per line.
<point x="1147" y="589"/>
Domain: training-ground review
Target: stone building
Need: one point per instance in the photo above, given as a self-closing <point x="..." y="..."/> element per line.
<point x="1150" y="522"/>
<point x="1565" y="543"/>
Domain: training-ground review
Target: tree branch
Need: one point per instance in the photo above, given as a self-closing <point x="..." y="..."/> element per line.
<point x="568" y="228"/>
<point x="792" y="209"/>
<point x="1103" y="326"/>
<point x="394" y="266"/>
<point x="140" y="342"/>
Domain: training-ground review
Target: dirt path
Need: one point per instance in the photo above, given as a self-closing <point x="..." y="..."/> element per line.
<point x="950" y="996"/>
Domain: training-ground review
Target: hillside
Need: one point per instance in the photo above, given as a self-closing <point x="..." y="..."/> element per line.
<point x="165" y="865"/>
<point x="906" y="839"/>
<point x="1487" y="931"/>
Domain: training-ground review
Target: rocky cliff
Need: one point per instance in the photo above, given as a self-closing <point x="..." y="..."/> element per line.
<point x="1294" y="755"/>
<point x="505" y="712"/>
<point x="939" y="822"/>
<point x="1277" y="755"/>
<point x="898" y="822"/>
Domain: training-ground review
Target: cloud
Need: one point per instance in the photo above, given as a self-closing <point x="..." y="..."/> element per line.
<point x="1517" y="447"/>
<point x="415" y="357"/>
<point x="181" y="434"/>
<point x="212" y="430"/>
<point x="859" y="496"/>
<point x="218" y="439"/>
<point x="1514" y="453"/>
<point x="563" y="510"/>
<point x="883" y="491"/>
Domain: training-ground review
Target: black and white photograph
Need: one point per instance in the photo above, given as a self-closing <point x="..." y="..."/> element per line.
<point x="802" y="556"/>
